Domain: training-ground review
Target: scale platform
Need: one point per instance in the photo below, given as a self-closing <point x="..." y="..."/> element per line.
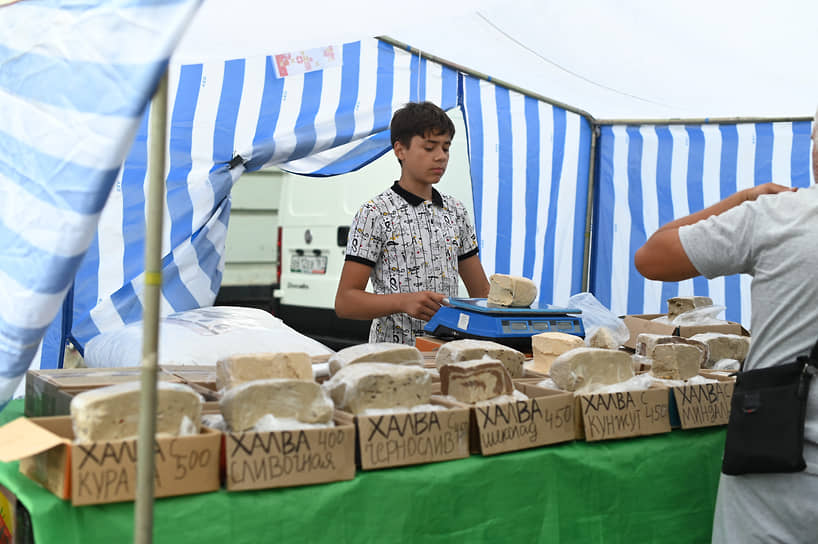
<point x="511" y="326"/>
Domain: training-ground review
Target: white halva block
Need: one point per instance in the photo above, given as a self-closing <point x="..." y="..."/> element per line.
<point x="362" y="386"/>
<point x="680" y="305"/>
<point x="470" y="350"/>
<point x="238" y="369"/>
<point x="724" y="346"/>
<point x="602" y="337"/>
<point x="376" y="352"/>
<point x="304" y="400"/>
<point x="676" y="361"/>
<point x="506" y="290"/>
<point x="646" y="343"/>
<point x="112" y="413"/>
<point x="547" y="346"/>
<point x="584" y="369"/>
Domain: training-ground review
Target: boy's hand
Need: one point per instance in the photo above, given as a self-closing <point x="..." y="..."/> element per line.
<point x="422" y="305"/>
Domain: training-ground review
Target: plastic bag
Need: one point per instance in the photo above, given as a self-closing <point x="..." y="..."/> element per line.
<point x="595" y="315"/>
<point x="704" y="315"/>
<point x="201" y="337"/>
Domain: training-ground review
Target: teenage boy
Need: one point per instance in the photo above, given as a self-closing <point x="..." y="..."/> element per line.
<point x="410" y="240"/>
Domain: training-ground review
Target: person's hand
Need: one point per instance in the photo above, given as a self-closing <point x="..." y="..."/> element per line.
<point x="766" y="189"/>
<point x="422" y="305"/>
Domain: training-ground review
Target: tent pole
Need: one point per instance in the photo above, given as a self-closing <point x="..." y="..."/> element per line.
<point x="143" y="506"/>
<point x="589" y="212"/>
<point x="701" y="121"/>
<point x="479" y="75"/>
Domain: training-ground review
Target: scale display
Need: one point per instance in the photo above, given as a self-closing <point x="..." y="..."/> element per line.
<point x="477" y="318"/>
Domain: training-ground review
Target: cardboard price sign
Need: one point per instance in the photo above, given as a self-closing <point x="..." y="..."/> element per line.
<point x="522" y="424"/>
<point x="106" y="471"/>
<point x="258" y="460"/>
<point x="704" y="405"/>
<point x="607" y="416"/>
<point x="409" y="438"/>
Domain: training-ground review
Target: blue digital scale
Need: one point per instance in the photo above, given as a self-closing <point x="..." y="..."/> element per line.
<point x="512" y="326"/>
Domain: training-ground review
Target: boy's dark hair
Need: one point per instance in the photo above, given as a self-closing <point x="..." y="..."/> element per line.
<point x="418" y="119"/>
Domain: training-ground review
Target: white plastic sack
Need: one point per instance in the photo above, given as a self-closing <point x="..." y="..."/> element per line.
<point x="595" y="315"/>
<point x="201" y="337"/>
<point x="701" y="316"/>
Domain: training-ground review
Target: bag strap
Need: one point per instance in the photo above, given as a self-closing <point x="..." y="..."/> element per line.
<point x="813" y="355"/>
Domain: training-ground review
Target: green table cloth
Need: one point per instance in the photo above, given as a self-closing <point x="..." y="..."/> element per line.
<point x="659" y="488"/>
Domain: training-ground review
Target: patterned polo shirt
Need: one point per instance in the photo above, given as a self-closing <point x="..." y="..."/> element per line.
<point x="412" y="245"/>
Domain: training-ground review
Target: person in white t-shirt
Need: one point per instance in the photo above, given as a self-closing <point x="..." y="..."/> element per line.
<point x="771" y="233"/>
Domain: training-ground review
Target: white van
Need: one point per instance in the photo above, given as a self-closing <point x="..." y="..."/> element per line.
<point x="251" y="252"/>
<point x="314" y="219"/>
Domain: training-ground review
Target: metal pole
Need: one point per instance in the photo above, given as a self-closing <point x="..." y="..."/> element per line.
<point x="469" y="71"/>
<point x="143" y="506"/>
<point x="701" y="121"/>
<point x="589" y="213"/>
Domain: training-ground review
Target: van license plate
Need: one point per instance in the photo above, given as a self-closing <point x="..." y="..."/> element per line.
<point x="309" y="264"/>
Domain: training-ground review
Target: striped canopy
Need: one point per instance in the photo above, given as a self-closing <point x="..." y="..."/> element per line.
<point x="559" y="196"/>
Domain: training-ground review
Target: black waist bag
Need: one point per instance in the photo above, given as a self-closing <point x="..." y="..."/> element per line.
<point x="765" y="432"/>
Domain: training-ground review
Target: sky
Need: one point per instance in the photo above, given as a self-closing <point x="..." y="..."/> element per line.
<point x="631" y="59"/>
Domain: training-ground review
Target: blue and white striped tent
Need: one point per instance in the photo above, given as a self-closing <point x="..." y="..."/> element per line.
<point x="61" y="146"/>
<point x="534" y="166"/>
<point x="651" y="174"/>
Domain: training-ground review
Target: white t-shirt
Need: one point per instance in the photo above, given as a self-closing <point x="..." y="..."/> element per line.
<point x="775" y="240"/>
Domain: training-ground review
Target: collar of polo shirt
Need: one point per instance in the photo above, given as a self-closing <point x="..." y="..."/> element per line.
<point x="415" y="200"/>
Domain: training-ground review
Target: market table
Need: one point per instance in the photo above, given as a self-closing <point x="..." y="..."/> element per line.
<point x="659" y="488"/>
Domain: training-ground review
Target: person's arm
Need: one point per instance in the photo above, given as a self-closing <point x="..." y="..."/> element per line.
<point x="663" y="257"/>
<point x="352" y="301"/>
<point x="474" y="277"/>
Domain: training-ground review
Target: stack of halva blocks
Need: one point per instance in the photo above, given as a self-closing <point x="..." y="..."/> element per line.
<point x="598" y="366"/>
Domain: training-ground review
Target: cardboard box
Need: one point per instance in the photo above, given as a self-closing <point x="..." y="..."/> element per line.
<point x="638" y="324"/>
<point x="409" y="437"/>
<point x="702" y="405"/>
<point x="260" y="460"/>
<point x="608" y="416"/>
<point x="105" y="472"/>
<point x="428" y="343"/>
<point x="545" y="417"/>
<point x="49" y="392"/>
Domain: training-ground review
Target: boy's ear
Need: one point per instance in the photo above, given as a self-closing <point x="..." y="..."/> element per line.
<point x="399" y="150"/>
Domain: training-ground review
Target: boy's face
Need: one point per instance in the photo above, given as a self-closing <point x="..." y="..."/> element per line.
<point x="426" y="157"/>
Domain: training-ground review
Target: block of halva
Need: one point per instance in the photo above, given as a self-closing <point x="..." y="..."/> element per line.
<point x="602" y="337"/>
<point x="587" y="368"/>
<point x="647" y="342"/>
<point x="112" y="412"/>
<point x="507" y="290"/>
<point x="680" y="305"/>
<point x="238" y="369"/>
<point x="304" y="400"/>
<point x="469" y="349"/>
<point x="547" y="346"/>
<point x="475" y="381"/>
<point x="376" y="352"/>
<point x="676" y="361"/>
<point x="724" y="346"/>
<point x="362" y="386"/>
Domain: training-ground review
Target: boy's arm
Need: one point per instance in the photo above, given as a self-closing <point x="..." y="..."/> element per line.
<point x="474" y="277"/>
<point x="353" y="302"/>
<point x="663" y="257"/>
